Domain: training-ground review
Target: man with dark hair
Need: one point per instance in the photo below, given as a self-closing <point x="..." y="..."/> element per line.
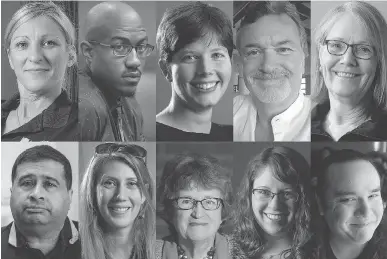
<point x="272" y="46"/>
<point x="351" y="201"/>
<point x="115" y="48"/>
<point x="40" y="200"/>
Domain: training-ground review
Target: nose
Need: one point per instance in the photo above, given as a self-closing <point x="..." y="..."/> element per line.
<point x="121" y="192"/>
<point x="275" y="203"/>
<point x="132" y="60"/>
<point x="205" y="66"/>
<point x="197" y="211"/>
<point x="268" y="60"/>
<point x="348" y="58"/>
<point x="363" y="209"/>
<point x="35" y="53"/>
<point x="37" y="193"/>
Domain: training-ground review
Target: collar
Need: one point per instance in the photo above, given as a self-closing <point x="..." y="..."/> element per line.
<point x="68" y="235"/>
<point x="54" y="116"/>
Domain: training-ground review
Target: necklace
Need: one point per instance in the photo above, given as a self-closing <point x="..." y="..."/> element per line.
<point x="181" y="253"/>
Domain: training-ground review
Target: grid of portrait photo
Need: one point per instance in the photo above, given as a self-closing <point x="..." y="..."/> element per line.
<point x="194" y="129"/>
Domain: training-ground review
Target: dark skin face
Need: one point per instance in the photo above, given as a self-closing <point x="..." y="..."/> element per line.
<point x="114" y="24"/>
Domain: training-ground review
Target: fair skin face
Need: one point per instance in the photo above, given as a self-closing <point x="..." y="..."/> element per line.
<point x="114" y="24"/>
<point x="197" y="227"/>
<point x="40" y="202"/>
<point x="39" y="55"/>
<point x="199" y="73"/>
<point x="347" y="90"/>
<point x="352" y="206"/>
<point x="273" y="63"/>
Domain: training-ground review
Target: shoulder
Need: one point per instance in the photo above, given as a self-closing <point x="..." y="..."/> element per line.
<point x="241" y="100"/>
<point x="224" y="132"/>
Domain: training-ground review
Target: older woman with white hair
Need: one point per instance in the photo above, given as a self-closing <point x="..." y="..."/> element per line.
<point x="40" y="44"/>
<point x="349" y="84"/>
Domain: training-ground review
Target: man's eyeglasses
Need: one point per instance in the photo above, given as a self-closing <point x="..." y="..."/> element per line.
<point x="134" y="150"/>
<point x="339" y="48"/>
<point x="122" y="50"/>
<point x="266" y="195"/>
<point x="185" y="203"/>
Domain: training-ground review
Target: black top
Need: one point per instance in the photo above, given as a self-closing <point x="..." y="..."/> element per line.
<point x="218" y="133"/>
<point x="59" y="122"/>
<point x="374" y="129"/>
<point x="65" y="248"/>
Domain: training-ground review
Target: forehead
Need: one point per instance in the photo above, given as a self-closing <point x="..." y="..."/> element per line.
<point x="269" y="30"/>
<point x="349" y="28"/>
<point x="354" y="176"/>
<point x="41" y="169"/>
<point x="39" y="26"/>
<point x="203" y="44"/>
<point x="118" y="170"/>
<point x="265" y="177"/>
<point x="199" y="193"/>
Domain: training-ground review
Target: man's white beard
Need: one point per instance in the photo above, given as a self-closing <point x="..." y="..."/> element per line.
<point x="270" y="94"/>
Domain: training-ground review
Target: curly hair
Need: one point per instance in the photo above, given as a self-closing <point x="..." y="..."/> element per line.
<point x="289" y="167"/>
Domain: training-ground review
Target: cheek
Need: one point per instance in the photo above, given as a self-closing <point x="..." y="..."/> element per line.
<point x="103" y="196"/>
<point x="339" y="214"/>
<point x="180" y="220"/>
<point x="224" y="69"/>
<point x="182" y="74"/>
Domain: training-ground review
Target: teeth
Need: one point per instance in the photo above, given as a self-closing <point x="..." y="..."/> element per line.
<point x="273" y="216"/>
<point x="120" y="209"/>
<point x="342" y="74"/>
<point x="205" y="86"/>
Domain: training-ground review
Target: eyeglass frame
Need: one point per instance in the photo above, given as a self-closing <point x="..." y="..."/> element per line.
<point x="122" y="148"/>
<point x="131" y="48"/>
<point x="195" y="202"/>
<point x="273" y="194"/>
<point x="353" y="49"/>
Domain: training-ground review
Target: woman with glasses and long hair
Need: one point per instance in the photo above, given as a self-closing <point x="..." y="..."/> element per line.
<point x="117" y="214"/>
<point x="349" y="81"/>
<point x="272" y="212"/>
<point x="194" y="196"/>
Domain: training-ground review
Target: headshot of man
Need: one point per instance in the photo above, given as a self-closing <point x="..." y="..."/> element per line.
<point x="351" y="194"/>
<point x="272" y="45"/>
<point x="41" y="194"/>
<point x="115" y="47"/>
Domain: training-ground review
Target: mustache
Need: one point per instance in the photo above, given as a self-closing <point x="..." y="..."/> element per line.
<point x="132" y="73"/>
<point x="273" y="74"/>
<point x="35" y="205"/>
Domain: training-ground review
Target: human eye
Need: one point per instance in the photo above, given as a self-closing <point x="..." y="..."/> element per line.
<point x="289" y="195"/>
<point x="218" y="55"/>
<point x="336" y="45"/>
<point x="50" y="43"/>
<point x="141" y="48"/>
<point x="109" y="184"/>
<point x="347" y="200"/>
<point x="21" y="45"/>
<point x="27" y="183"/>
<point x="211" y="201"/>
<point x="284" y="50"/>
<point x="364" y="49"/>
<point x="252" y="52"/>
<point x="132" y="184"/>
<point x="120" y="48"/>
<point x="189" y="58"/>
<point x="263" y="192"/>
<point x="374" y="195"/>
<point x="49" y="184"/>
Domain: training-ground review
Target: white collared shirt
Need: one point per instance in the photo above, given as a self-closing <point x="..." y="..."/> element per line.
<point x="291" y="125"/>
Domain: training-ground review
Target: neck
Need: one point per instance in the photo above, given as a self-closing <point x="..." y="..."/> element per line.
<point x="275" y="245"/>
<point x="345" y="250"/>
<point x="345" y="111"/>
<point x="196" y="249"/>
<point x="266" y="111"/>
<point x="119" y="242"/>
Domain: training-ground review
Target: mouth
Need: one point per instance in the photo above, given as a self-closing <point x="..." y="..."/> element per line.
<point x="346" y="74"/>
<point x="197" y="224"/>
<point x="119" y="210"/>
<point x="35" y="209"/>
<point x="205" y="86"/>
<point x="275" y="217"/>
<point x="360" y="225"/>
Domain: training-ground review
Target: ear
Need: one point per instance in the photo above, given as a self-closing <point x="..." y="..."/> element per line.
<point x="319" y="206"/>
<point x="70" y="195"/>
<point x="238" y="62"/>
<point x="72" y="56"/>
<point x="9" y="60"/>
<point x="87" y="51"/>
<point x="166" y="69"/>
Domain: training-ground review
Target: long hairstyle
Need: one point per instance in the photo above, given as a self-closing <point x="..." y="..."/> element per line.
<point x="376" y="26"/>
<point x="289" y="167"/>
<point x="92" y="237"/>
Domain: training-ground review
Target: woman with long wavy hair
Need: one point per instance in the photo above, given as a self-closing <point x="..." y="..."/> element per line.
<point x="272" y="213"/>
<point x="117" y="208"/>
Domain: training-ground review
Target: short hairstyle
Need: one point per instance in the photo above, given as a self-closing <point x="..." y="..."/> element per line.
<point x="277" y="8"/>
<point x="376" y="26"/>
<point x="190" y="170"/>
<point x="189" y="22"/>
<point x="37" y="9"/>
<point x="289" y="167"/>
<point x="91" y="232"/>
<point x="41" y="153"/>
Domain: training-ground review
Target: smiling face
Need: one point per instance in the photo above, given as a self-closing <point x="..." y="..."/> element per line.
<point x="347" y="76"/>
<point x="353" y="207"/>
<point x="200" y="73"/>
<point x="272" y="58"/>
<point x="276" y="215"/>
<point x="39" y="55"/>
<point x="198" y="224"/>
<point x="119" y="197"/>
<point x="39" y="194"/>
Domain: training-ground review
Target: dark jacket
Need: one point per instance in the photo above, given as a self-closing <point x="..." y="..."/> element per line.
<point x="14" y="246"/>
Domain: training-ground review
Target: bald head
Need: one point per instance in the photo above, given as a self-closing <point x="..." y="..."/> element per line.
<point x="111" y="18"/>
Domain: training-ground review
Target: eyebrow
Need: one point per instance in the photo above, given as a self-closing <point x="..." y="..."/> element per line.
<point x="45" y="177"/>
<point x="344" y="193"/>
<point x="363" y="42"/>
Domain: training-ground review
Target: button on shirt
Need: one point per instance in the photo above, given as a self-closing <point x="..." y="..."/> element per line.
<point x="291" y="125"/>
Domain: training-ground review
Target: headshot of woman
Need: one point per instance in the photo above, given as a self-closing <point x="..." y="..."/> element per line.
<point x="39" y="41"/>
<point x="117" y="210"/>
<point x="195" y="44"/>
<point x="349" y="81"/>
<point x="194" y="196"/>
<point x="272" y="208"/>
